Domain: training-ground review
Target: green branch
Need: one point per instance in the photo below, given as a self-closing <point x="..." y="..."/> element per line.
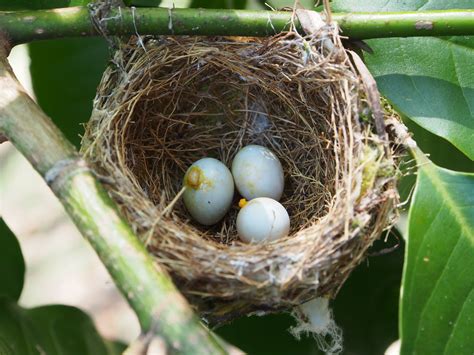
<point x="159" y="306"/>
<point x="27" y="26"/>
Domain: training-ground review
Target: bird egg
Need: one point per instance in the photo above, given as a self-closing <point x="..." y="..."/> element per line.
<point x="258" y="173"/>
<point x="262" y="219"/>
<point x="209" y="190"/>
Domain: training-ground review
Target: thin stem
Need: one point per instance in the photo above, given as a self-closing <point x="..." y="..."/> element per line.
<point x="27" y="26"/>
<point x="327" y="9"/>
<point x="159" y="306"/>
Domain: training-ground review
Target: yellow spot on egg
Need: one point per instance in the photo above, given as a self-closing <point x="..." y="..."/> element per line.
<point x="194" y="177"/>
<point x="242" y="202"/>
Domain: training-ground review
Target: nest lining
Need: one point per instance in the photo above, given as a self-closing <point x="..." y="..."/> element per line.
<point x="179" y="99"/>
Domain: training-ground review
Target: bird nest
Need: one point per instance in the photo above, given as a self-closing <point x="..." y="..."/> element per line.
<point x="166" y="102"/>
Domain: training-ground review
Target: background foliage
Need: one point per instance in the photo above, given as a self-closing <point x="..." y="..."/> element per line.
<point x="430" y="81"/>
<point x="438" y="295"/>
<point x="54" y="329"/>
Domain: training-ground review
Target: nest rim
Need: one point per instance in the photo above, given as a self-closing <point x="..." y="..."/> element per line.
<point x="254" y="292"/>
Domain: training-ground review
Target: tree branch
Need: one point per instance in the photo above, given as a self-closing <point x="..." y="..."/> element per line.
<point x="148" y="289"/>
<point x="27" y="26"/>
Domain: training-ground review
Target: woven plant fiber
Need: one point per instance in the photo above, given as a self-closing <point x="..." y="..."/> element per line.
<point x="166" y="102"/>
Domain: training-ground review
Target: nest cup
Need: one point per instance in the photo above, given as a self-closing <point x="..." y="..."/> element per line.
<point x="166" y="102"/>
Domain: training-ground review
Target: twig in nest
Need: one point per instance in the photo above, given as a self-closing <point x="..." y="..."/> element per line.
<point x="388" y="250"/>
<point x="373" y="95"/>
<point x="327" y="8"/>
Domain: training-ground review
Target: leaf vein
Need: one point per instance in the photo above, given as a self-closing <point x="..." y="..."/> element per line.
<point x="435" y="288"/>
<point x="456" y="71"/>
<point x="456" y="321"/>
<point x="417" y="257"/>
<point x="440" y="187"/>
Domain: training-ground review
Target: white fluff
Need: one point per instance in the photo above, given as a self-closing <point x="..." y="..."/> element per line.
<point x="315" y="318"/>
<point x="317" y="311"/>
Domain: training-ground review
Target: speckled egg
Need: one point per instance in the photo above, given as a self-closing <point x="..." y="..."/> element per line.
<point x="209" y="190"/>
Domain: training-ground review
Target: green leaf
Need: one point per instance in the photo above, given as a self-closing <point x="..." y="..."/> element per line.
<point x="442" y="153"/>
<point x="144" y="3"/>
<point x="219" y="4"/>
<point x="12" y="265"/>
<point x="399" y="5"/>
<point x="79" y="2"/>
<point x="32" y="4"/>
<point x="65" y="75"/>
<point x="49" y="330"/>
<point x="430" y="80"/>
<point x="437" y="302"/>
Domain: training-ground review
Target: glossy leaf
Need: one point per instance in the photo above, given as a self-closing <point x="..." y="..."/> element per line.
<point x="144" y="3"/>
<point x="12" y="265"/>
<point x="399" y="5"/>
<point x="219" y="4"/>
<point x="52" y="330"/>
<point x="33" y="4"/>
<point x="79" y="2"/>
<point x="442" y="153"/>
<point x="430" y="80"/>
<point x="280" y="4"/>
<point x="437" y="303"/>
<point x="65" y="75"/>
